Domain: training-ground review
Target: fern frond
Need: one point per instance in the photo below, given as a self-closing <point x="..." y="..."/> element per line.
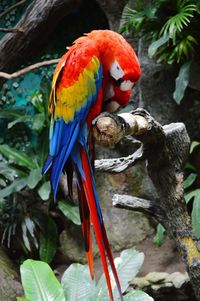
<point x="176" y="23"/>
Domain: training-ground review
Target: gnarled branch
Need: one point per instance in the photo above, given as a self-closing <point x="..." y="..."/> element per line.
<point x="165" y="150"/>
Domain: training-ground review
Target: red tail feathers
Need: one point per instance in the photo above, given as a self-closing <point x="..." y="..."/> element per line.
<point x="96" y="218"/>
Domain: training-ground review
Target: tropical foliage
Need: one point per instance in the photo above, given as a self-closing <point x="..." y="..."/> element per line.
<point x="192" y="191"/>
<point x="172" y="30"/>
<point x="40" y="283"/>
<point x="24" y="210"/>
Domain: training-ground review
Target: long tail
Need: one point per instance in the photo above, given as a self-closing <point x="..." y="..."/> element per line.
<point x="97" y="221"/>
<point x="86" y="228"/>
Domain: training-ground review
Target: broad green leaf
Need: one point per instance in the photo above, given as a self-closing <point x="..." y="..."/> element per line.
<point x="196" y="215"/>
<point x="16" y="186"/>
<point x="137" y="296"/>
<point x="128" y="265"/>
<point x="156" y="45"/>
<point x="77" y="283"/>
<point x="71" y="212"/>
<point x="34" y="177"/>
<point x="44" y="191"/>
<point x="190" y="195"/>
<point x="17" y="156"/>
<point x="189" y="180"/>
<point x="159" y="237"/>
<point x="48" y="241"/>
<point x="182" y="82"/>
<point x="39" y="282"/>
<point x="193" y="145"/>
<point x="22" y="299"/>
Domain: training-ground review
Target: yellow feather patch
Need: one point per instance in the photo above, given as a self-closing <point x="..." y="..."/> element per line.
<point x="71" y="99"/>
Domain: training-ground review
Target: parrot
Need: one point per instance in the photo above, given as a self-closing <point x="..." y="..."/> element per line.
<point x="98" y="71"/>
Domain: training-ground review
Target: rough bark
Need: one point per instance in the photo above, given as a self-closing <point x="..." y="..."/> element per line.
<point x="165" y="150"/>
<point x="39" y="20"/>
<point x="113" y="10"/>
<point x="10" y="288"/>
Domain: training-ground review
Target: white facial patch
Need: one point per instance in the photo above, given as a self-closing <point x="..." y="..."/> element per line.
<point x="126" y="85"/>
<point x="116" y="71"/>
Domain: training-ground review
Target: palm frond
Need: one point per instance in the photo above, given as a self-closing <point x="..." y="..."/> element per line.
<point x="176" y="23"/>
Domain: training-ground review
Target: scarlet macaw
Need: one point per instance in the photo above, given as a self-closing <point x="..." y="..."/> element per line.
<point x="99" y="67"/>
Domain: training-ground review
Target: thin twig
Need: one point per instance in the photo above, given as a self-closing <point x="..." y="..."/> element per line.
<point x="11" y="8"/>
<point x="28" y="69"/>
<point x="11" y="29"/>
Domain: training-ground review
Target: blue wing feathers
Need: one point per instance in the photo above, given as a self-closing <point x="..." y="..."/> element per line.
<point x="63" y="155"/>
<point x="63" y="136"/>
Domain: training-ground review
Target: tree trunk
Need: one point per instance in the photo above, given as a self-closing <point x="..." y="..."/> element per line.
<point x="36" y="24"/>
<point x="165" y="150"/>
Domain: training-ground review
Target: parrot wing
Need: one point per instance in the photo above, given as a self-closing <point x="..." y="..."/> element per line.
<point x="75" y="87"/>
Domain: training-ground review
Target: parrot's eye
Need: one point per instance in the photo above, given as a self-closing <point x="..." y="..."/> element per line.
<point x="118" y="82"/>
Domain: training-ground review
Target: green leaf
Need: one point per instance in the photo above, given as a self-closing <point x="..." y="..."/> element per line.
<point x="137" y="296"/>
<point x="44" y="191"/>
<point x="159" y="237"/>
<point x="16" y="186"/>
<point x="196" y="214"/>
<point x="17" y="156"/>
<point x="182" y="82"/>
<point x="48" y="241"/>
<point x="190" y="195"/>
<point x="189" y="180"/>
<point x="190" y="166"/>
<point x="71" y="212"/>
<point x="128" y="265"/>
<point x="11" y="114"/>
<point x="38" y="121"/>
<point x="193" y="145"/>
<point x="22" y="299"/>
<point x="156" y="45"/>
<point x="77" y="283"/>
<point x="39" y="282"/>
<point x="45" y="88"/>
<point x="30" y="225"/>
<point x="34" y="178"/>
<point x="18" y="120"/>
<point x="10" y="172"/>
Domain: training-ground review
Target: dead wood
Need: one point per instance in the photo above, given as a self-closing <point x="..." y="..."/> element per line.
<point x="165" y="150"/>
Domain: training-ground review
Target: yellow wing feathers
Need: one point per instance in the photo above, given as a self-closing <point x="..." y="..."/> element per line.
<point x="65" y="101"/>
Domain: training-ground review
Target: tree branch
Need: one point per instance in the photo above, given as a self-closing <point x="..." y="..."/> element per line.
<point x="11" y="29"/>
<point x="11" y="8"/>
<point x="165" y="150"/>
<point x="28" y="69"/>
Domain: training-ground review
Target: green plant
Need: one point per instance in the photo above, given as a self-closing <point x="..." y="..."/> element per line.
<point x="172" y="29"/>
<point x="40" y="283"/>
<point x="192" y="192"/>
<point x="160" y="235"/>
<point x="21" y="181"/>
<point x="24" y="212"/>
